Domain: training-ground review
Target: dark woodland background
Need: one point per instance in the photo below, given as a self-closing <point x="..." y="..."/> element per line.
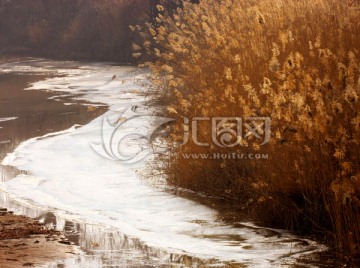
<point x="95" y="30"/>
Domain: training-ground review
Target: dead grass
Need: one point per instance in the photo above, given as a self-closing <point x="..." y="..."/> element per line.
<point x="296" y="62"/>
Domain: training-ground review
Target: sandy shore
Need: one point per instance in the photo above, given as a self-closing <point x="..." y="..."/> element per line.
<point x="25" y="242"/>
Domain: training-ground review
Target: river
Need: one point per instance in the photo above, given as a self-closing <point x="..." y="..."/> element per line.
<point x="74" y="148"/>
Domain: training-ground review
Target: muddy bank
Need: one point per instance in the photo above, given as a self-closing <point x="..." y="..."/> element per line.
<point x="25" y="242"/>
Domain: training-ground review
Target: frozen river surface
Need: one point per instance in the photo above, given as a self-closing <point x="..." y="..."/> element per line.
<point x="92" y="176"/>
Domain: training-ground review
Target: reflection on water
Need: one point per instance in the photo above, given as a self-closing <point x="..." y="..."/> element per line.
<point x="104" y="246"/>
<point x="107" y="247"/>
<point x="8" y="172"/>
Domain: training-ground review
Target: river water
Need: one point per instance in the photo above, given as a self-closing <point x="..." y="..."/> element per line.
<point x="74" y="149"/>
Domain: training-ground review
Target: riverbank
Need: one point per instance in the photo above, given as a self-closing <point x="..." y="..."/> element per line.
<point x="24" y="115"/>
<point x="25" y="242"/>
<point x="271" y="114"/>
<point x="118" y="217"/>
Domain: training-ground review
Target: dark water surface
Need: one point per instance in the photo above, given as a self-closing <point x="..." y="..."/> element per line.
<point x="35" y="113"/>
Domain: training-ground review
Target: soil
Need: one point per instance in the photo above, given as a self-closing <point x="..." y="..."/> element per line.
<point x="25" y="242"/>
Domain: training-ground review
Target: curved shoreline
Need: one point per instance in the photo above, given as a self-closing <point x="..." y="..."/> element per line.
<point x="26" y="121"/>
<point x="164" y="221"/>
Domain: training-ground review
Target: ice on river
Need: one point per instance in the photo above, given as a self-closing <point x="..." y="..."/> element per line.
<point x="65" y="173"/>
